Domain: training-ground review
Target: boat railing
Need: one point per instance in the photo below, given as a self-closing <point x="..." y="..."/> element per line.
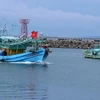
<point x="96" y="46"/>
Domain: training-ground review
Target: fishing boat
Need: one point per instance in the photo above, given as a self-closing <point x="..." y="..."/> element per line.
<point x="22" y="51"/>
<point x="93" y="52"/>
<point x="23" y="48"/>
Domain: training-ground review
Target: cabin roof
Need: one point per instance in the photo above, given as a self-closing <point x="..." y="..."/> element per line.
<point x="8" y="37"/>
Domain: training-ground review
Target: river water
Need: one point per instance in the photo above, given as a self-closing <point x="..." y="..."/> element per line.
<point x="65" y="75"/>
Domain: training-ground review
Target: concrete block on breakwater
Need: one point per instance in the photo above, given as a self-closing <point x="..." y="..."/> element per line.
<point x="69" y="43"/>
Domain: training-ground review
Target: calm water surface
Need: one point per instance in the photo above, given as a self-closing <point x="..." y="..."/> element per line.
<point x="66" y="75"/>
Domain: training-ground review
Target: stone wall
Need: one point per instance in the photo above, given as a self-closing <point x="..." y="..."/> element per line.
<point x="81" y="44"/>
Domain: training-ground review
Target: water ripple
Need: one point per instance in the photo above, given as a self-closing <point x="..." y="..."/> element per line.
<point x="22" y="92"/>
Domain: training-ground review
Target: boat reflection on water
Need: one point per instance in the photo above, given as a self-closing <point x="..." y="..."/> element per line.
<point x="37" y="92"/>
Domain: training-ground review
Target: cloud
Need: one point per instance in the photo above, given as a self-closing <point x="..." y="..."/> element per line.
<point x="17" y="9"/>
<point x="54" y="21"/>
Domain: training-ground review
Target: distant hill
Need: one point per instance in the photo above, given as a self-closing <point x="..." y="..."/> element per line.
<point x="91" y="37"/>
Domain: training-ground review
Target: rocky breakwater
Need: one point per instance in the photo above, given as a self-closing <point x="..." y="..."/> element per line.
<point x="75" y="43"/>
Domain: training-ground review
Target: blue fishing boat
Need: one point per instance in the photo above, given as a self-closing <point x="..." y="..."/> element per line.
<point x="38" y="56"/>
<point x="22" y="48"/>
<point x="22" y="51"/>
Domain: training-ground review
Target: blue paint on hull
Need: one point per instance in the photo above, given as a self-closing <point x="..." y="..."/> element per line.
<point x="37" y="56"/>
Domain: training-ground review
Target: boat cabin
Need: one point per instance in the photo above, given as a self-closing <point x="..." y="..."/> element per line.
<point x="19" y="46"/>
<point x="5" y="39"/>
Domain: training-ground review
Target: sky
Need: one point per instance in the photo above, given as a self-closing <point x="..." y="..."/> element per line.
<point x="63" y="18"/>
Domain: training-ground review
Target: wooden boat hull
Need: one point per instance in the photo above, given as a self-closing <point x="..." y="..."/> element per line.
<point x="37" y="56"/>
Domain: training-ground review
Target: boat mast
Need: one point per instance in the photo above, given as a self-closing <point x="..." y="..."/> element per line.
<point x="3" y="31"/>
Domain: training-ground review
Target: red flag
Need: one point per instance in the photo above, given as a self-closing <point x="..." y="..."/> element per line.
<point x="34" y="34"/>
